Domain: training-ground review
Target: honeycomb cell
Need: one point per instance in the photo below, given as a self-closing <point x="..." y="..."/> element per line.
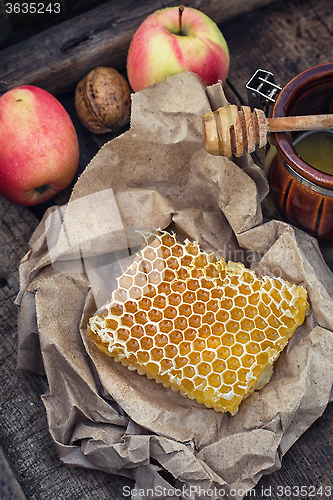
<point x="203" y="295"/>
<point x="247" y="325"/>
<point x="175" y="299"/>
<point x="116" y="309"/>
<point x="166" y="364"/>
<point x="170" y="351"/>
<point x="229" y="377"/>
<point x="135" y="292"/>
<point x="181" y="323"/>
<point x="212" y="305"/>
<point x="147" y="343"/>
<point x="199" y="344"/>
<point x="190" y="334"/>
<point x="242" y="337"/>
<point x="131" y="306"/>
<point x="204" y="368"/>
<point x="226" y="304"/>
<point x="250" y="311"/>
<point x="145" y="266"/>
<point x="196" y="323"/>
<point x="199" y="307"/>
<point x="157" y="354"/>
<point x="123" y="334"/>
<point x="204" y="331"/>
<point x="137" y="331"/>
<point x="208" y="356"/>
<point x="161" y="340"/>
<point x="240" y="301"/>
<point x="176" y="336"/>
<point x="186" y="261"/>
<point x="192" y="285"/>
<point x="248" y="360"/>
<point x="163" y="252"/>
<point x="165" y="326"/>
<point x="185" y="310"/>
<point x="159" y="265"/>
<point x="178" y="286"/>
<point x="184" y="348"/>
<point x="140" y="279"/>
<point x="180" y="361"/>
<point x="273" y="321"/>
<point x="155" y="315"/>
<point x="258" y="335"/>
<point x="213" y="342"/>
<point x="120" y="295"/>
<point x="125" y="281"/>
<point x="143" y="356"/>
<point x="233" y="363"/>
<point x="149" y="253"/>
<point x="141" y="317"/>
<point x="252" y="348"/>
<point x="237" y="350"/>
<point x="172" y="263"/>
<point x="150" y="329"/>
<point x="218" y="366"/>
<point x="223" y="352"/>
<point x="222" y="316"/>
<point x="111" y="323"/>
<point x="127" y="320"/>
<point x="188" y="371"/>
<point x="200" y="382"/>
<point x="232" y="326"/>
<point x="263" y="311"/>
<point x="214" y="379"/>
<point x="168" y="275"/>
<point x="159" y="302"/>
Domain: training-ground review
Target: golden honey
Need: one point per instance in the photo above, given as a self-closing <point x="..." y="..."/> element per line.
<point x="316" y="149"/>
<point x="208" y="329"/>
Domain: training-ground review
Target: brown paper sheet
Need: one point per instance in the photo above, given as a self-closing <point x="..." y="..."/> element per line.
<point x="100" y="414"/>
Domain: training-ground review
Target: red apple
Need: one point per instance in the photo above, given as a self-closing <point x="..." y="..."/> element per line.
<point x="39" y="150"/>
<point x="170" y="41"/>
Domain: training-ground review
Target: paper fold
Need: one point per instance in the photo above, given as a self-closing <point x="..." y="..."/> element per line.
<point x="100" y="414"/>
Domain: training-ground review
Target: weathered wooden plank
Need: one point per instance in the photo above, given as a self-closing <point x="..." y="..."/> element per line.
<point x="59" y="57"/>
<point x="284" y="38"/>
<point x="9" y="37"/>
<point x="24" y="434"/>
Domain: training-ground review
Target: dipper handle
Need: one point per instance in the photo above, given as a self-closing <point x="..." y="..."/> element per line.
<point x="230" y="130"/>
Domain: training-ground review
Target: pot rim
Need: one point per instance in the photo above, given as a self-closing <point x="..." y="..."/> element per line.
<point x="281" y="140"/>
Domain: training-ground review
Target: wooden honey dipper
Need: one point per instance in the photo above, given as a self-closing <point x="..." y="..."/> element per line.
<point x="232" y="131"/>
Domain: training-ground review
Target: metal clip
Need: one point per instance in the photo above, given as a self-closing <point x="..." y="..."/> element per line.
<point x="261" y="89"/>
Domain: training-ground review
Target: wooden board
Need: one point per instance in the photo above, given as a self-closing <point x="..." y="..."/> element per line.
<point x="284" y="37"/>
<point x="59" y="57"/>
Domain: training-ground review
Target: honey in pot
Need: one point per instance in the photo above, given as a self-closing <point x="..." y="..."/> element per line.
<point x="316" y="149"/>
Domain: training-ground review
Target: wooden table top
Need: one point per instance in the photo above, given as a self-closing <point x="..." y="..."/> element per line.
<point x="284" y="37"/>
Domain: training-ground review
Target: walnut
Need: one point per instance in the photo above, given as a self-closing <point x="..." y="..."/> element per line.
<point x="103" y="100"/>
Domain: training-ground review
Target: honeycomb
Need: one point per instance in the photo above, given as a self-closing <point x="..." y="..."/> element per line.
<point x="197" y="324"/>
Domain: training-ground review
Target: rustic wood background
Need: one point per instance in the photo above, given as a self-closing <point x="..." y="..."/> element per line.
<point x="285" y="37"/>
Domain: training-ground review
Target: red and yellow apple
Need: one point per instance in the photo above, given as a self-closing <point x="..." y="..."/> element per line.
<point x="39" y="150"/>
<point x="173" y="40"/>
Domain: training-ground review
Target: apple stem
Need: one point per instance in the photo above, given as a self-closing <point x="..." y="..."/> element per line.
<point x="181" y="10"/>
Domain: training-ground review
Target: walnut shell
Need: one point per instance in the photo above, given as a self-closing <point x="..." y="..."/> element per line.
<point x="103" y="100"/>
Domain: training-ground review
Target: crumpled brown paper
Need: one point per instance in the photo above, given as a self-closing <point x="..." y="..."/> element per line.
<point x="100" y="414"/>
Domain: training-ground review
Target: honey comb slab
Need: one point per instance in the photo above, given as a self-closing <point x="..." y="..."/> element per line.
<point x="209" y="329"/>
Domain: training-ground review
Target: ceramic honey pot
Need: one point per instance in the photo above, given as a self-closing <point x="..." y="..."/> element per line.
<point x="299" y="161"/>
<point x="302" y="193"/>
